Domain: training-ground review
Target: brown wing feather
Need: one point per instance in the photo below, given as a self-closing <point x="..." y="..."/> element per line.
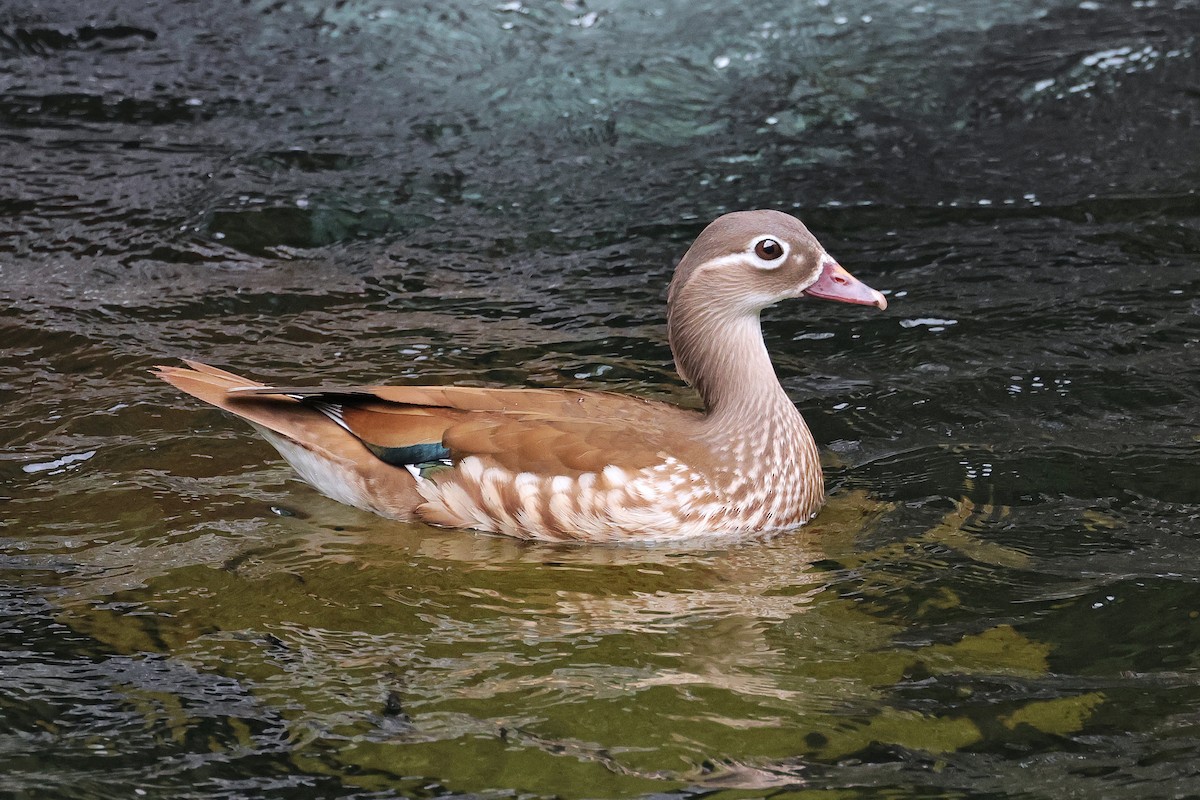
<point x="527" y="443"/>
<point x="565" y="403"/>
<point x="547" y="431"/>
<point x="558" y="403"/>
<point x="399" y="426"/>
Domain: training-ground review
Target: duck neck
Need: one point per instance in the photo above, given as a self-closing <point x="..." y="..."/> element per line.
<point x="757" y="437"/>
<point x="722" y="354"/>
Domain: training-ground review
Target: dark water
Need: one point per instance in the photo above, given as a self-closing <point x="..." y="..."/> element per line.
<point x="1002" y="598"/>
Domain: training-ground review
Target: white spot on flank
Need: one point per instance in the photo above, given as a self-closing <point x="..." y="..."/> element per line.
<point x="614" y="475"/>
<point x="529" y="494"/>
<point x="490" y="484"/>
<point x="471" y="468"/>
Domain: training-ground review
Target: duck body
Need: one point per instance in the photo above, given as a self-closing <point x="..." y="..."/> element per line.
<point x="566" y="464"/>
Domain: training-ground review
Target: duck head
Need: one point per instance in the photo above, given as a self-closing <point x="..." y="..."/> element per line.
<point x="740" y="264"/>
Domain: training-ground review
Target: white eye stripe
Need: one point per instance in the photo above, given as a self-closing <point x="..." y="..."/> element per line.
<point x="749" y="257"/>
<point x="733" y="258"/>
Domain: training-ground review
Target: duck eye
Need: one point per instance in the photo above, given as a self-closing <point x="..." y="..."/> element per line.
<point x="768" y="250"/>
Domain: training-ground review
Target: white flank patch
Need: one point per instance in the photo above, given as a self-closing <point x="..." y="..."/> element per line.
<point x="471" y="468"/>
<point x="490" y="492"/>
<point x="614" y="475"/>
<point x="563" y="510"/>
<point x="325" y="475"/>
<point x="529" y="495"/>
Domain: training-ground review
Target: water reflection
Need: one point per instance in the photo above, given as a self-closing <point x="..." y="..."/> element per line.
<point x="390" y="649"/>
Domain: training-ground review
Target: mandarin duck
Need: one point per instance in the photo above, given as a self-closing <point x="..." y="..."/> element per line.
<point x="571" y="464"/>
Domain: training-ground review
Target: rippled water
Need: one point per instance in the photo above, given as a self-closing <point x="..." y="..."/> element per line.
<point x="1002" y="598"/>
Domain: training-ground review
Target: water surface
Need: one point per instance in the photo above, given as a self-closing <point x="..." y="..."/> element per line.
<point x="1002" y="597"/>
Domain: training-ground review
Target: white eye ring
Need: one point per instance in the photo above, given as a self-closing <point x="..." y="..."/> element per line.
<point x="768" y="252"/>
